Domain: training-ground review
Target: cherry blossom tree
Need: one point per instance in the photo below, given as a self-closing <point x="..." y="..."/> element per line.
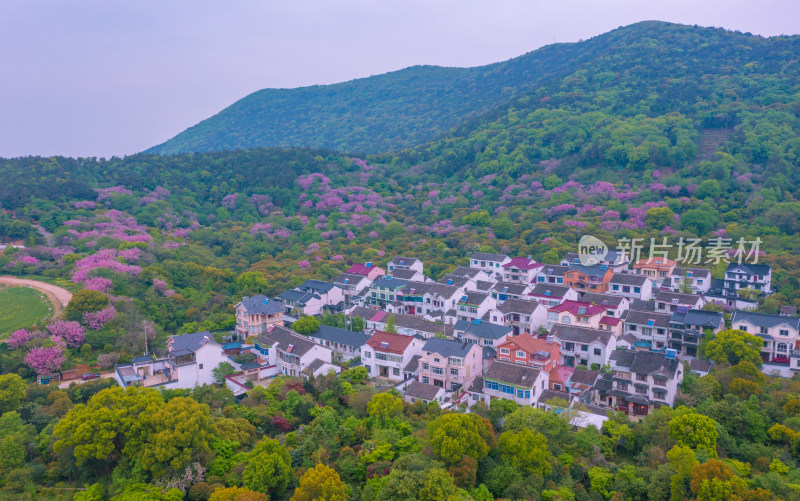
<point x="45" y="360"/>
<point x="71" y="332"/>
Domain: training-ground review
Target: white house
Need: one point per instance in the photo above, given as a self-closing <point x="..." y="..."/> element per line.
<point x="474" y="305"/>
<point x="294" y="353"/>
<point x="519" y="383"/>
<point x="747" y="276"/>
<point x="668" y="302"/>
<point x="583" y="345"/>
<point x="345" y="344"/>
<point x="352" y="285"/>
<point x="694" y="280"/>
<point x="521" y="270"/>
<point x="311" y="297"/>
<point x="490" y="263"/>
<point x="630" y="286"/>
<point x="481" y="333"/>
<point x="404" y="263"/>
<point x="779" y="332"/>
<point x="523" y="315"/>
<point x="552" y="295"/>
<point x="386" y="355"/>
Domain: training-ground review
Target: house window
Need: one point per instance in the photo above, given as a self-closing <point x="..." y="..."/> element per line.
<point x="454" y="372"/>
<point x="504" y="351"/>
<point x="597" y="351"/>
<point x="641" y="377"/>
<point x="622" y="386"/>
<point x="660" y="394"/>
<point x="437" y="370"/>
<point x="201" y="366"/>
<point x="424" y="367"/>
<point x="369" y="369"/>
<point x="520" y="353"/>
<point x="367" y="354"/>
<point x="492" y="385"/>
<point x="395" y="371"/>
<point x="426" y="379"/>
<point x="660" y="381"/>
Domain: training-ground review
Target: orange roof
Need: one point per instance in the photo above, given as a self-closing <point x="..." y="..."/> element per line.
<point x="533" y="344"/>
<point x="655" y="261"/>
<point x="389" y="342"/>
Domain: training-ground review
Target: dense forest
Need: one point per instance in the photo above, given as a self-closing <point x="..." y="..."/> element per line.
<point x="653" y="131"/>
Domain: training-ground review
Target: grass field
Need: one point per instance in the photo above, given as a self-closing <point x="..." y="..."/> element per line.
<point x="21" y="307"/>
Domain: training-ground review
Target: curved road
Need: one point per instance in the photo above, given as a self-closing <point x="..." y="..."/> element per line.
<point x="59" y="296"/>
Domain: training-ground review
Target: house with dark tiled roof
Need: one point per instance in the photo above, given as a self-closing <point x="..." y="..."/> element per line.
<point x="451" y="365"/>
<point x="490" y="263"/>
<point x="519" y="383"/>
<point x="418" y="391"/>
<point x="521" y="270"/>
<point x="410" y="325"/>
<point x="779" y="332"/>
<point x="408" y="274"/>
<point x="344" y="343"/>
<point x="552" y="295"/>
<point x="690" y="280"/>
<point x="686" y="328"/>
<point x="474" y="305"/>
<point x="481" y="332"/>
<point x="583" y="345"/>
<point x="640" y="381"/>
<point x="404" y="263"/>
<point x="551" y="274"/>
<point x="747" y="276"/>
<point x="650" y="328"/>
<point x="615" y="305"/>
<point x="668" y="301"/>
<point x="255" y="314"/>
<point x="311" y="297"/>
<point x="385" y="290"/>
<point x="503" y="291"/>
<point x="293" y="352"/>
<point x="431" y="300"/>
<point x="387" y="354"/>
<point x="523" y="315"/>
<point x="614" y="259"/>
<point x="631" y="286"/>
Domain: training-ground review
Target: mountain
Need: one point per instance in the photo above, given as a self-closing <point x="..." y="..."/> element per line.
<point x="386" y="112"/>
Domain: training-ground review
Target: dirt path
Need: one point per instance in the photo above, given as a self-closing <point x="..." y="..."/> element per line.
<point x="57" y="295"/>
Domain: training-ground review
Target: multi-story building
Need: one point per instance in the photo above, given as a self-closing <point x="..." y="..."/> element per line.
<point x="631" y="286"/>
<point x="686" y="328"/>
<point x="615" y="305"/>
<point x="588" y="278"/>
<point x="522" y="270"/>
<point x="523" y="315"/>
<point x="650" y="328"/>
<point x="779" y="332"/>
<point x="616" y="260"/>
<point x="516" y="382"/>
<point x="689" y="280"/>
<point x="352" y="285"/>
<point x="502" y="291"/>
<point x="656" y="269"/>
<point x="430" y="299"/>
<point x="404" y="263"/>
<point x="294" y="353"/>
<point x="640" y="381"/>
<point x="387" y="354"/>
<point x="575" y="313"/>
<point x="552" y="295"/>
<point x="385" y="290"/>
<point x="345" y="344"/>
<point x="367" y="269"/>
<point x="409" y="325"/>
<point x="757" y="277"/>
<point x="582" y="345"/>
<point x="490" y="263"/>
<point x="311" y="297"/>
<point x="474" y="305"/>
<point x="539" y="353"/>
<point x="451" y="365"/>
<point x="256" y="314"/>
<point x="669" y="302"/>
<point x="551" y="274"/>
<point x="481" y="333"/>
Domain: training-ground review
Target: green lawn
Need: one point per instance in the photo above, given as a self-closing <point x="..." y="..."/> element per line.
<point x="21" y="307"/>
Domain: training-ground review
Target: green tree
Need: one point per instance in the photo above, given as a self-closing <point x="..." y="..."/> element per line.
<point x="222" y="370"/>
<point x="384" y="406"/>
<point x="681" y="460"/>
<point x="12" y="392"/>
<point x="601" y="480"/>
<point x="659" y="217"/>
<point x="269" y="468"/>
<point x="708" y="189"/>
<point x="237" y="494"/>
<point x="694" y="430"/>
<point x="456" y="435"/>
<point x="390" y="324"/>
<point x="733" y="346"/>
<point x="321" y="482"/>
<point x="92" y="492"/>
<point x="306" y="325"/>
<point x="251" y="282"/>
<point x="526" y="450"/>
<point x="503" y="227"/>
<point x="85" y="301"/>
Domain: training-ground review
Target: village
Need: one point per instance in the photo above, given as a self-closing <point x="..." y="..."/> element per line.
<point x="613" y="336"/>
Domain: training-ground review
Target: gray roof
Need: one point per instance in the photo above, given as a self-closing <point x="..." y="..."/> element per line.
<point x="639" y="305"/>
<point x="287" y="340"/>
<point x="389" y="282"/>
<point x="752" y="269"/>
<point x="628" y="279"/>
<point x="404" y="261"/>
<point x="696" y="272"/>
<point x="669" y="296"/>
<point x="580" y="334"/>
<point x="556" y="291"/>
<point x="316" y="285"/>
<point x="466" y="271"/>
<point x="475" y="298"/>
<point x="583" y="376"/>
<point x="297" y="296"/>
<point x="765" y="319"/>
<point x="592" y="271"/>
<point x="403" y="274"/>
<point x="644" y="317"/>
<point x="602" y="299"/>
<point x="189" y="343"/>
<point x="698" y="317"/>
<point x="551" y="394"/>
<point x="699" y="365"/>
<point x="447" y="348"/>
<point x="482" y="329"/>
<point x="526" y="307"/>
<point x="509" y="288"/>
<point x="349" y="278"/>
<point x="403" y="320"/>
<point x="516" y="374"/>
<point x="341" y="336"/>
<point x="483" y="286"/>
<point x="412" y="364"/>
<point x="645" y="362"/>
<point x="477" y="385"/>
<point x="554" y="270"/>
<point x="421" y="390"/>
<point x="486" y="256"/>
<point x="421" y="288"/>
<point x="454" y="280"/>
<point x="261" y="305"/>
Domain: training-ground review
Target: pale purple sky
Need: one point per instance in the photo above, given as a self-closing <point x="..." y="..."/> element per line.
<point x="102" y="78"/>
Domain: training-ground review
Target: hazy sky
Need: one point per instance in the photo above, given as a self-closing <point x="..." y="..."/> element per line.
<point x="113" y="77"/>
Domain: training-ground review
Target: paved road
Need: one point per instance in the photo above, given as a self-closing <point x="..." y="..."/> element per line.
<point x="59" y="296"/>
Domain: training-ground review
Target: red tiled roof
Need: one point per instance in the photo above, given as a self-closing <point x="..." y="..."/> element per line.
<point x="531" y="344"/>
<point x="523" y="263"/>
<point x="610" y="321"/>
<point x="574" y="306"/>
<point x="390" y="342"/>
<point x="360" y="269"/>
